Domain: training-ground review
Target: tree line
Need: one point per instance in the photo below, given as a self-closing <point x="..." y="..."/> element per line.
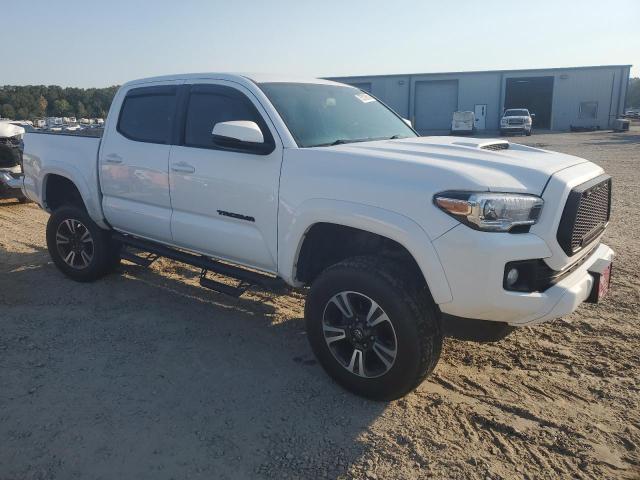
<point x="35" y="101"/>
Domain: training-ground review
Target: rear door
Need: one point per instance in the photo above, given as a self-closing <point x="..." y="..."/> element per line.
<point x="134" y="162"/>
<point x="225" y="201"/>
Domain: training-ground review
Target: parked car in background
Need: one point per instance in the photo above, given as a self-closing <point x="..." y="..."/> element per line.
<point x="463" y="123"/>
<point x="11" y="147"/>
<point x="633" y="113"/>
<point x="273" y="181"/>
<point x="516" y="120"/>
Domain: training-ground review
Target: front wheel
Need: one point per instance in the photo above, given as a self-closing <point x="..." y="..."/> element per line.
<point x="375" y="332"/>
<point x="78" y="247"/>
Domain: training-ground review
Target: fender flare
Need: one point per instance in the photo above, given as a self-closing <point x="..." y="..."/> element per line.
<point x="93" y="207"/>
<point x="295" y="225"/>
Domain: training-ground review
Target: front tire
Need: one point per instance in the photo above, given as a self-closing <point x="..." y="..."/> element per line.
<point x="78" y="247"/>
<point x="375" y="331"/>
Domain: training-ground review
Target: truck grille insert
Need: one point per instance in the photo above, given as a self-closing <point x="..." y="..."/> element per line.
<point x="585" y="214"/>
<point x="516" y="121"/>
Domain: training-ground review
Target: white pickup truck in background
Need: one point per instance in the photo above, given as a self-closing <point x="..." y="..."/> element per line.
<point x="400" y="239"/>
<point x="517" y="120"/>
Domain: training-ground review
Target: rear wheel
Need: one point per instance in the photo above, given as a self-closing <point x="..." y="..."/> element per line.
<point x="374" y="331"/>
<point x="78" y="247"/>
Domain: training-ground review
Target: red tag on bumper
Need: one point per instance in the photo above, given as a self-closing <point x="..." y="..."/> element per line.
<point x="601" y="273"/>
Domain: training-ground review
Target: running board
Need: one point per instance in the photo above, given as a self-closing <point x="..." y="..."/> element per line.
<point x="137" y="259"/>
<point x="222" y="287"/>
<point x="246" y="277"/>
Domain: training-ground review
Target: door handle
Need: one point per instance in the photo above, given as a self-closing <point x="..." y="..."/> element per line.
<point x="113" y="158"/>
<point x="182" y="167"/>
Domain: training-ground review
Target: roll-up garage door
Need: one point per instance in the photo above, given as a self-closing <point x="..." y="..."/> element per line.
<point x="435" y="103"/>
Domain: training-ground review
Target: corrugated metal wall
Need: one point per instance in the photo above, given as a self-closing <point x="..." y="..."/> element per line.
<point x="573" y="88"/>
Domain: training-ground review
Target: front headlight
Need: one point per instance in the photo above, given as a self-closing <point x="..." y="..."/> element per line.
<point x="503" y="121"/>
<point x="492" y="212"/>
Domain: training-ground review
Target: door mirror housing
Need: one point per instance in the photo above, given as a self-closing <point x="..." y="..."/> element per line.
<point x="237" y="131"/>
<point x="533" y="115"/>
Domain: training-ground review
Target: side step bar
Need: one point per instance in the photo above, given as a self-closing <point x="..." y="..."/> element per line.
<point x="246" y="277"/>
<point x="137" y="259"/>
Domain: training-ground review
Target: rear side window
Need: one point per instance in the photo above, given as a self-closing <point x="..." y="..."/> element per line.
<point x="211" y="104"/>
<point x="147" y="114"/>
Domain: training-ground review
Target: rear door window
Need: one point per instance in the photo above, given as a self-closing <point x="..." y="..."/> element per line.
<point x="147" y="114"/>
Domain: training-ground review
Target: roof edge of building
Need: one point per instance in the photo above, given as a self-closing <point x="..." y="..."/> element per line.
<point x="514" y="70"/>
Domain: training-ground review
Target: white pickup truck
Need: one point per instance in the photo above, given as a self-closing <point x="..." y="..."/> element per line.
<point x="274" y="182"/>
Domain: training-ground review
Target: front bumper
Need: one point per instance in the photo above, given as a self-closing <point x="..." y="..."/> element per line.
<point x="11" y="181"/>
<point x="474" y="265"/>
<point x="515" y="128"/>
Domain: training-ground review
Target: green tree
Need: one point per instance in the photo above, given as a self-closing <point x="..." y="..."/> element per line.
<point x="31" y="101"/>
<point x="81" y="111"/>
<point x="8" y="111"/>
<point x="61" y="107"/>
<point x="42" y="106"/>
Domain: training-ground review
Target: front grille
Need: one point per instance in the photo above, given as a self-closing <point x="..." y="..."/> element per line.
<point x="516" y="121"/>
<point x="9" y="156"/>
<point x="585" y="214"/>
<point x="496" y="146"/>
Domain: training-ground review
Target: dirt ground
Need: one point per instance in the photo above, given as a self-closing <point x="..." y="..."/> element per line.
<point x="147" y="375"/>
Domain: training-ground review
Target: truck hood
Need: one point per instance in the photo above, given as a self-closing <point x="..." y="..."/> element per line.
<point x="475" y="163"/>
<point x="8" y="130"/>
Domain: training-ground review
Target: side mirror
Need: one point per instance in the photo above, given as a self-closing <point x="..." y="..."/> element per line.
<point x="533" y="115"/>
<point x="408" y="122"/>
<point x="237" y="132"/>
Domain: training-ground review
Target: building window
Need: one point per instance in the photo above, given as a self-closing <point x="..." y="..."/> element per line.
<point x="588" y="110"/>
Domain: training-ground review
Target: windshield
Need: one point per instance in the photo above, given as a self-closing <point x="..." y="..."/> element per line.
<point x="320" y="115"/>
<point x="517" y="113"/>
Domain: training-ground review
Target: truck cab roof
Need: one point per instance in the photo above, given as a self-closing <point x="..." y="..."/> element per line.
<point x="242" y="78"/>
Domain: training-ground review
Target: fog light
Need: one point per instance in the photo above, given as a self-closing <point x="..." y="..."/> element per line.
<point x="512" y="277"/>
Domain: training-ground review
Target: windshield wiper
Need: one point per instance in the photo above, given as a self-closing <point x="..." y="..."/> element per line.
<point x="342" y="141"/>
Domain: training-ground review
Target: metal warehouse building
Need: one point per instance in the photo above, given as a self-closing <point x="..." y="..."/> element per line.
<point x="560" y="97"/>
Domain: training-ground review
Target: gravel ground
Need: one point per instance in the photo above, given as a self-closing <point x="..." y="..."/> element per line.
<point x="147" y="375"/>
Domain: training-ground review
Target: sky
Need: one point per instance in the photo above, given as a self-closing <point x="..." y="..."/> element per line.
<point x="93" y="43"/>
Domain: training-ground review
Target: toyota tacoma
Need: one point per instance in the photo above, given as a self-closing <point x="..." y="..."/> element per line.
<point x="282" y="183"/>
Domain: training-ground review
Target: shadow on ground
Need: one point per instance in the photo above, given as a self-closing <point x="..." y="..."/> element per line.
<point x="173" y="381"/>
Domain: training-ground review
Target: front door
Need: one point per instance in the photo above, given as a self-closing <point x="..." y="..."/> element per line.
<point x="481" y="117"/>
<point x="225" y="202"/>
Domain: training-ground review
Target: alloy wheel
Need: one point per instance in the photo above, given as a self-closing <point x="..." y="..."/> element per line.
<point x="359" y="334"/>
<point x="74" y="243"/>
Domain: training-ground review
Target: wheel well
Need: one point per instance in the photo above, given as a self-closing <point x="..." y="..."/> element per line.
<point x="326" y="244"/>
<point x="60" y="191"/>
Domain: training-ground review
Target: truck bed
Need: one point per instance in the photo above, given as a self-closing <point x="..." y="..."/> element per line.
<point x="53" y="153"/>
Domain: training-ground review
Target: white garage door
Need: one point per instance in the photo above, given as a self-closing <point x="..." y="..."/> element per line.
<point x="435" y="103"/>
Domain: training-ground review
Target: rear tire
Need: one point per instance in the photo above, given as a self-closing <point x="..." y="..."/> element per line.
<point x="399" y="342"/>
<point x="78" y="247"/>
